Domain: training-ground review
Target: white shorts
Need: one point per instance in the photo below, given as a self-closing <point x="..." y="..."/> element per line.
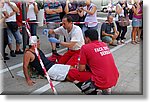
<point x="58" y="72"/>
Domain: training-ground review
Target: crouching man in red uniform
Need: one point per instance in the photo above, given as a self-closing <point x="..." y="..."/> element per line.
<point x="74" y="40"/>
<point x="103" y="74"/>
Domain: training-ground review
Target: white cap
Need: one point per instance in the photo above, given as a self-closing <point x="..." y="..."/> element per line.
<point x="33" y="40"/>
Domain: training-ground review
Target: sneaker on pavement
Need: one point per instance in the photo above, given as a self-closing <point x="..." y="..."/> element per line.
<point x="57" y="45"/>
<point x="118" y="42"/>
<point x="6" y="58"/>
<point x="19" y="52"/>
<point x="122" y="41"/>
<point x="56" y="54"/>
<point x="12" y="54"/>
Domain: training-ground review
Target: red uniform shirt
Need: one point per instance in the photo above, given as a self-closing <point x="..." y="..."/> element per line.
<point x="100" y="60"/>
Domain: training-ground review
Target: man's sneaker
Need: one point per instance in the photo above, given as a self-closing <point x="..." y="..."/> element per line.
<point x="57" y="45"/>
<point x="56" y="54"/>
<point x="122" y="41"/>
<point x="12" y="54"/>
<point x="118" y="42"/>
<point x="6" y="58"/>
<point x="19" y="52"/>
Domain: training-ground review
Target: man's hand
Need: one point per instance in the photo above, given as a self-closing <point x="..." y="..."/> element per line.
<point x="30" y="82"/>
<point x="53" y="40"/>
<point x="114" y="36"/>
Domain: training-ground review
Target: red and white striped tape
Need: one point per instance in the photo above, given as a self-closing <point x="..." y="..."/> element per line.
<point x="73" y="22"/>
<point x="41" y="62"/>
<point x="61" y="22"/>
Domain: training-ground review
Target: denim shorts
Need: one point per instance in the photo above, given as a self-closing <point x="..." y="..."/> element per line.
<point x="106" y="39"/>
<point x="17" y="36"/>
<point x="136" y="22"/>
<point x="53" y="26"/>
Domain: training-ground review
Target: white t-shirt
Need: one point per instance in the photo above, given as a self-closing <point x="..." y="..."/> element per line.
<point x="91" y="19"/>
<point x="121" y="14"/>
<point x="75" y="35"/>
<point x="10" y="10"/>
<point x="31" y="14"/>
<point x="58" y="72"/>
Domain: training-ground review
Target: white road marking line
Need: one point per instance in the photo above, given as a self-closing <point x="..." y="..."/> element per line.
<point x="11" y="68"/>
<point x="119" y="46"/>
<point x="21" y="64"/>
<point x="43" y="89"/>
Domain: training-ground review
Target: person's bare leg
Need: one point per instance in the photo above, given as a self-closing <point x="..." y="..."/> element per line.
<point x="134" y="29"/>
<point x="17" y="47"/>
<point x="53" y="45"/>
<point x="139" y="34"/>
<point x="10" y="46"/>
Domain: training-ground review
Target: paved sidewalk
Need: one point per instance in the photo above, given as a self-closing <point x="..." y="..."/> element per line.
<point x="129" y="62"/>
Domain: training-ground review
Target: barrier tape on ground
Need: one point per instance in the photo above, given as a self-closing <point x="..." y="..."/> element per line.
<point x="42" y="65"/>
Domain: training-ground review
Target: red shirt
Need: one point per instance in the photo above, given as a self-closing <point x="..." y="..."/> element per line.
<point x="19" y="15"/>
<point x="100" y="60"/>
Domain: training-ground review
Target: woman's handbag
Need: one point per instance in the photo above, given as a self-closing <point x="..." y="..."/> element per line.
<point x="124" y="21"/>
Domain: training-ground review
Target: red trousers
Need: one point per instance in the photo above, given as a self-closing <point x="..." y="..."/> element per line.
<point x="75" y="75"/>
<point x="70" y="58"/>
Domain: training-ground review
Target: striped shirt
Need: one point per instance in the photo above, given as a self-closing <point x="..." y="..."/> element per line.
<point x="52" y="17"/>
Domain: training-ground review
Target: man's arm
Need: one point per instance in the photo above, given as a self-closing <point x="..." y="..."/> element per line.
<point x="58" y="10"/>
<point x="105" y="34"/>
<point x="115" y="30"/>
<point x="65" y="44"/>
<point x="90" y="12"/>
<point x="118" y="9"/>
<point x="66" y="7"/>
<point x="49" y="11"/>
<point x="83" y="59"/>
<point x="35" y="8"/>
<point x="53" y="11"/>
<point x="14" y="7"/>
<point x="26" y="61"/>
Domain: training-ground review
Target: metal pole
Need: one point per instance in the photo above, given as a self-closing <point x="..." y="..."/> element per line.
<point x="24" y="33"/>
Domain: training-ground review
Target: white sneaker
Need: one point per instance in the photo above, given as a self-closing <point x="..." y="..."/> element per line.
<point x="118" y="42"/>
<point x="122" y="41"/>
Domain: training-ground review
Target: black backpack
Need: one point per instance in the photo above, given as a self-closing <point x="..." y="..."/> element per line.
<point x="130" y="14"/>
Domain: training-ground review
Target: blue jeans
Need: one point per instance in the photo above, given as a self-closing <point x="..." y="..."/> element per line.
<point x="17" y="36"/>
<point x="33" y="27"/>
<point x="84" y="28"/>
<point x="53" y="26"/>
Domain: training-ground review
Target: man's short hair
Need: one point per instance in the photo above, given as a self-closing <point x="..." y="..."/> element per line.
<point x="69" y="18"/>
<point x="92" y="34"/>
<point x="108" y="16"/>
